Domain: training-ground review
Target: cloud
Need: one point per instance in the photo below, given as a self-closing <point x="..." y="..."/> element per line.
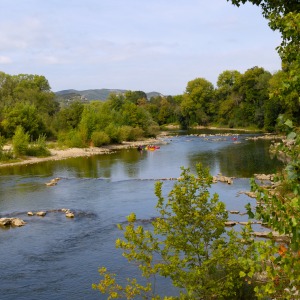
<point x="5" y="60"/>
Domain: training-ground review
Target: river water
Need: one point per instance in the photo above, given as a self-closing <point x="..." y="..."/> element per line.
<point x="53" y="257"/>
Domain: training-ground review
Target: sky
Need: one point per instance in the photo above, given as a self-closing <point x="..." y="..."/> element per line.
<point x="138" y="45"/>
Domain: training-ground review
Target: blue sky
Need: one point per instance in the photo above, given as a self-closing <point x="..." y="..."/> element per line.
<point x="154" y="45"/>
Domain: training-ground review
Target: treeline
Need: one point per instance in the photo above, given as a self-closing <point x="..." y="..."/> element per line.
<point x="251" y="99"/>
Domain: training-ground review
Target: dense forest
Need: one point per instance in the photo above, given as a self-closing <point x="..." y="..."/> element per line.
<point x="251" y="99"/>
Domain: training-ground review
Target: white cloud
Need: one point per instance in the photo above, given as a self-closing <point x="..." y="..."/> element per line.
<point x="153" y="45"/>
<point x="5" y="60"/>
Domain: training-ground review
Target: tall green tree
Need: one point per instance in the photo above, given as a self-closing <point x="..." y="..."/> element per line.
<point x="25" y="115"/>
<point x="197" y="102"/>
<point x="253" y="89"/>
<point x="135" y="96"/>
<point x="228" y="98"/>
<point x="284" y="17"/>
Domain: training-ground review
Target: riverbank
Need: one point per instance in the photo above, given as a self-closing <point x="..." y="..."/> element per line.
<point x="61" y="154"/>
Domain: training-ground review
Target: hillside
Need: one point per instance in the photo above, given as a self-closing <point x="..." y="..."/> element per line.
<point x="70" y="95"/>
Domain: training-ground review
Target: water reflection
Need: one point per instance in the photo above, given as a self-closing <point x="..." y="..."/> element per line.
<point x="238" y="160"/>
<point x="57" y="258"/>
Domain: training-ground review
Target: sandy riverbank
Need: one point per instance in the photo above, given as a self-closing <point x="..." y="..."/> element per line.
<point x="58" y="154"/>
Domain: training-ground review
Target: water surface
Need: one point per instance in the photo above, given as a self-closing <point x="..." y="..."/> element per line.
<point x="58" y="258"/>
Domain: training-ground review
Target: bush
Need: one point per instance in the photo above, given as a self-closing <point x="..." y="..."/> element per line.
<point x="152" y="130"/>
<point x="4" y="155"/>
<point x="20" y="141"/>
<point x="38" y="148"/>
<point x="114" y="133"/>
<point x="71" y="139"/>
<point x="129" y="133"/>
<point x="187" y="243"/>
<point x="100" y="138"/>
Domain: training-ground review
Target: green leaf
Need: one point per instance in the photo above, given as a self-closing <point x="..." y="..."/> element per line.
<point x="242" y="274"/>
<point x="289" y="123"/>
<point x="291" y="135"/>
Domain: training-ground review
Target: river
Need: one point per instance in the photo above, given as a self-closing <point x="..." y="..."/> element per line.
<point x="54" y="257"/>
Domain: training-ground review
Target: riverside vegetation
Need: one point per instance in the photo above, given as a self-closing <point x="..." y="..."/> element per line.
<point x="200" y="257"/>
<point x="254" y="99"/>
<point x="188" y="243"/>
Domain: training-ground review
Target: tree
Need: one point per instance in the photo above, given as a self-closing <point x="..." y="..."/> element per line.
<point x="279" y="206"/>
<point x="197" y="100"/>
<point x="135" y="96"/>
<point x="254" y="92"/>
<point x="25" y="115"/>
<point x="20" y="141"/>
<point x="278" y="263"/>
<point x="188" y="244"/>
<point x="284" y="16"/>
<point x="227" y="96"/>
<point x="69" y="117"/>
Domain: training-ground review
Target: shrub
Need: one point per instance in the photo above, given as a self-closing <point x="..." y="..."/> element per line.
<point x="152" y="130"/>
<point x="20" y="141"/>
<point x="188" y="243"/>
<point x="129" y="133"/>
<point x="114" y="133"/>
<point x="4" y="154"/>
<point x="100" y="138"/>
<point x="71" y="139"/>
<point x="38" y="148"/>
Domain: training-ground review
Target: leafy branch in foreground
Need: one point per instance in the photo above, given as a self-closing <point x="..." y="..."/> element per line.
<point x="188" y="244"/>
<point x="279" y="209"/>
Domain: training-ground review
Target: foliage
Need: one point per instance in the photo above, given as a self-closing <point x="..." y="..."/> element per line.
<point x="129" y="133"/>
<point x="100" y="138"/>
<point x="197" y="100"/>
<point x="38" y="148"/>
<point x="69" y="117"/>
<point x="188" y="243"/>
<point x="114" y="133"/>
<point x="72" y="138"/>
<point x="25" y="115"/>
<point x="4" y="154"/>
<point x="279" y="209"/>
<point x="284" y="16"/>
<point x="20" y="141"/>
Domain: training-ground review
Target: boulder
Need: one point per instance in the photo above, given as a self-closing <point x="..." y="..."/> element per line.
<point x="225" y="179"/>
<point x="30" y="214"/>
<point x="5" y="221"/>
<point x="53" y="181"/>
<point x="17" y="222"/>
<point x="12" y="222"/>
<point x="41" y="213"/>
<point x="70" y="215"/>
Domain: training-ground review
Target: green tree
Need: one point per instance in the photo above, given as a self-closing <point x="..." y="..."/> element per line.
<point x="135" y="96"/>
<point x="228" y="98"/>
<point x="279" y="206"/>
<point x="116" y="101"/>
<point x="69" y="117"/>
<point x="20" y="141"/>
<point x="36" y="90"/>
<point x="188" y="244"/>
<point x="25" y="115"/>
<point x="254" y="85"/>
<point x="284" y="16"/>
<point x="88" y="123"/>
<point x="196" y="105"/>
<point x="278" y="263"/>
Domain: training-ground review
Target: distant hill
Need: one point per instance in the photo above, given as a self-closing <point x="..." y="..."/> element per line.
<point x="93" y="94"/>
